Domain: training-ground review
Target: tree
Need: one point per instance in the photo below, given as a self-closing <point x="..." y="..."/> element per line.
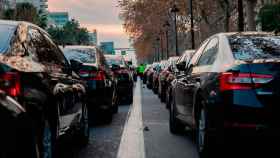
<point x="26" y="12"/>
<point x="144" y="20"/>
<point x="269" y="17"/>
<point x="70" y="34"/>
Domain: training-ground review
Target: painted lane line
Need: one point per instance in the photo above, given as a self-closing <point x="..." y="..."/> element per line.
<point x="132" y="141"/>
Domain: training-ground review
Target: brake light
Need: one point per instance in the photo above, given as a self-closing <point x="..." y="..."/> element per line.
<point x="100" y="76"/>
<point x="242" y="81"/>
<point x="92" y="75"/>
<point x="10" y="83"/>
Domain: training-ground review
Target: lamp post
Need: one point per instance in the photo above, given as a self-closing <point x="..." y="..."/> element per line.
<point x="166" y="26"/>
<point x="192" y="24"/>
<point x="175" y="10"/>
<point x="158" y="48"/>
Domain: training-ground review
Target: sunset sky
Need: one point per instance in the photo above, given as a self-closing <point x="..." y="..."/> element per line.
<point x="102" y="15"/>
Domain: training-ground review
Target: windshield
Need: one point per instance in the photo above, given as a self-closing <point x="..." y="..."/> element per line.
<point x="6" y="33"/>
<point x="255" y="47"/>
<point x="84" y="55"/>
<point x="114" y="60"/>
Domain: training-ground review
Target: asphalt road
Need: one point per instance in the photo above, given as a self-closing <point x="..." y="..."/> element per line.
<point x="141" y="130"/>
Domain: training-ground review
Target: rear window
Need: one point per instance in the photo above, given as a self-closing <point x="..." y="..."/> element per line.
<point x="84" y="55"/>
<point x="255" y="47"/>
<point x="6" y="33"/>
<point x="117" y="60"/>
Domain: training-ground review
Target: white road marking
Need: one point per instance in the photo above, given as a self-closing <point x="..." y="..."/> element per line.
<point x="132" y="141"/>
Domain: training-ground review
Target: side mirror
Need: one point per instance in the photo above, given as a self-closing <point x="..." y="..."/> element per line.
<point x="75" y="65"/>
<point x="181" y="66"/>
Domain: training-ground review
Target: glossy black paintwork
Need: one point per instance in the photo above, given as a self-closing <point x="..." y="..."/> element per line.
<point x="49" y="90"/>
<point x="257" y="106"/>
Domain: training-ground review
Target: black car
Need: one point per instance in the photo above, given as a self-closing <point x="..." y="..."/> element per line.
<point x="101" y="90"/>
<point x="175" y="74"/>
<point x="124" y="78"/>
<point x="231" y="86"/>
<point x="34" y="72"/>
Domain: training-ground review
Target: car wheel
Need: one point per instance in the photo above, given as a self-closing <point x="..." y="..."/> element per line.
<point x="108" y="115"/>
<point x="203" y="139"/>
<point x="47" y="141"/>
<point x="175" y="126"/>
<point x="115" y="103"/>
<point x="84" y="131"/>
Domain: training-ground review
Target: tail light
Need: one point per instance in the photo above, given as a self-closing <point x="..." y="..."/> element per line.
<point x="242" y="81"/>
<point x="92" y="75"/>
<point x="10" y="83"/>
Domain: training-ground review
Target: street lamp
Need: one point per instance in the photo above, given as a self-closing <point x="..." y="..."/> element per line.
<point x="175" y="10"/>
<point x="192" y="24"/>
<point x="158" y="48"/>
<point x="166" y="25"/>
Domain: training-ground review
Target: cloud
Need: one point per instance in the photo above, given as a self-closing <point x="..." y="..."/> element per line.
<point x="95" y="14"/>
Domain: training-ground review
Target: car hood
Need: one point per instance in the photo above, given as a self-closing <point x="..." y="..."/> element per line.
<point x="23" y="64"/>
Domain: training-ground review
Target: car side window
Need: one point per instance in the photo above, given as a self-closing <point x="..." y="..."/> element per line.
<point x="198" y="53"/>
<point x="209" y="54"/>
<point x="46" y="51"/>
<point x="56" y="51"/>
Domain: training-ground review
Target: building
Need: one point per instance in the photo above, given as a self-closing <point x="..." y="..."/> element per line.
<point x="93" y="37"/>
<point x="251" y="10"/>
<point x="107" y="47"/>
<point x="39" y="4"/>
<point x="58" y="19"/>
<point x="6" y="4"/>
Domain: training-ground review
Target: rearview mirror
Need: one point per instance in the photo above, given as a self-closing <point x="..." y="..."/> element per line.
<point x="181" y="66"/>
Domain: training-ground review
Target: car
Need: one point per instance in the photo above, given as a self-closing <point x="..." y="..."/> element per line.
<point x="157" y="71"/>
<point x="230" y="88"/>
<point x="175" y="74"/>
<point x="90" y="65"/>
<point x="35" y="73"/>
<point x="163" y="76"/>
<point x="124" y="78"/>
<point x="145" y="73"/>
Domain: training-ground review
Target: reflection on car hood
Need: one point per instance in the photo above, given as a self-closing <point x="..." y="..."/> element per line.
<point x="22" y="64"/>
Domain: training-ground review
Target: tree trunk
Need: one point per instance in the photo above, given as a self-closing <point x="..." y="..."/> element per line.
<point x="240" y="16"/>
<point x="251" y="15"/>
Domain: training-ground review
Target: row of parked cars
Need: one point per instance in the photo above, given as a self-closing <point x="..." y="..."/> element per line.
<point x="227" y="87"/>
<point x="47" y="91"/>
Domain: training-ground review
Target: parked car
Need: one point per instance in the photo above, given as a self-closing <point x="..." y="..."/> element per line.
<point x="145" y="75"/>
<point x="35" y="73"/>
<point x="157" y="71"/>
<point x="90" y="65"/>
<point x="174" y="74"/>
<point x="231" y="84"/>
<point x="123" y="77"/>
<point x="150" y="74"/>
<point x="163" y="76"/>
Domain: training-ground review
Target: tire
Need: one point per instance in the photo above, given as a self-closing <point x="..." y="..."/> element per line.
<point x="108" y="116"/>
<point x="115" y="109"/>
<point x="84" y="131"/>
<point x="46" y="142"/>
<point x="115" y="103"/>
<point x="175" y="126"/>
<point x="204" y="140"/>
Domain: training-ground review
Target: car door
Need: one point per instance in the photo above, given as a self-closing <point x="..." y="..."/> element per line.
<point x="185" y="87"/>
<point x="198" y="70"/>
<point x="57" y="69"/>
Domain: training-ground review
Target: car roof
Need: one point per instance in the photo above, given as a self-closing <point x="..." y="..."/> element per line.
<point x="248" y="33"/>
<point x="17" y="23"/>
<point x="78" y="47"/>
